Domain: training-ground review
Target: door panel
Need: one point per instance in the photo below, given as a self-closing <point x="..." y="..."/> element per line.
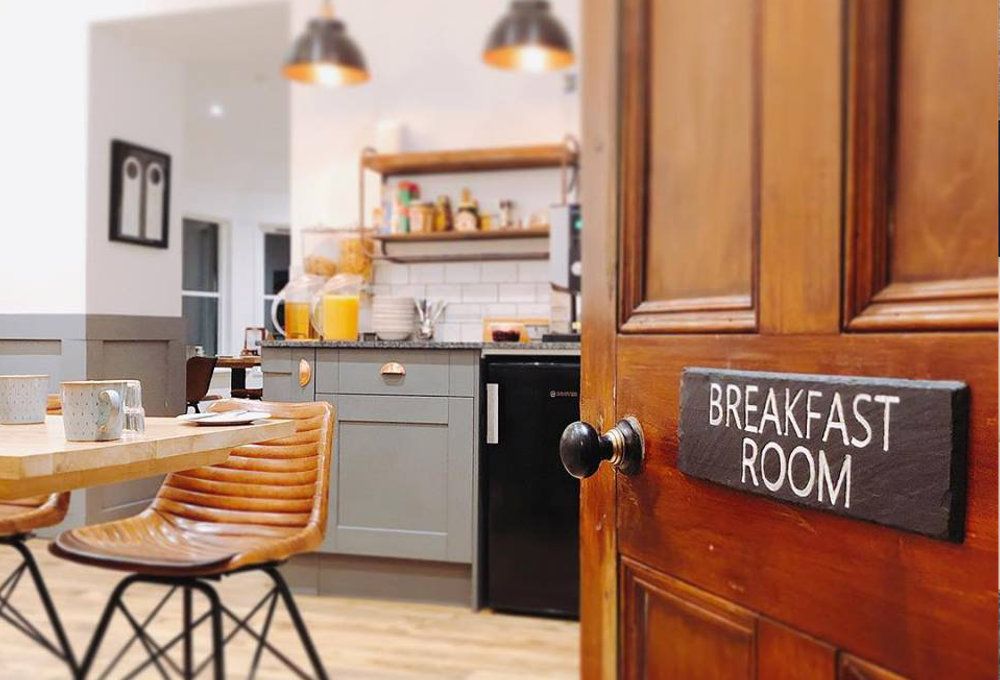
<point x="689" y="164"/>
<point x="922" y="189"/>
<point x="944" y="191"/>
<point x="786" y="654"/>
<point x="675" y="631"/>
<point x="852" y="668"/>
<point x="700" y="186"/>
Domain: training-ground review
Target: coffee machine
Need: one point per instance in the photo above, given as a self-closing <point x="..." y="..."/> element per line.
<point x="565" y="260"/>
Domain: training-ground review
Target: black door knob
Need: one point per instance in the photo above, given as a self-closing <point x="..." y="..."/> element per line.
<point x="582" y="449"/>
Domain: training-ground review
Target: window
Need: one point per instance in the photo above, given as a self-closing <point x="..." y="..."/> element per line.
<point x="200" y="285"/>
<point x="277" y="255"/>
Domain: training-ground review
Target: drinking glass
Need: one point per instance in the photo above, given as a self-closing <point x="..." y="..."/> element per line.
<point x="135" y="415"/>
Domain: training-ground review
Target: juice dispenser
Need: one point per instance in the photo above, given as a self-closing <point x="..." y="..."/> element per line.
<point x="336" y="307"/>
<point x="297" y="298"/>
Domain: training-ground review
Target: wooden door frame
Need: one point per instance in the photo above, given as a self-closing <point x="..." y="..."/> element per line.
<point x="600" y="198"/>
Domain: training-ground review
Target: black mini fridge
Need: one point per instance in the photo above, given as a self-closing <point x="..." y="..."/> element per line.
<point x="531" y="505"/>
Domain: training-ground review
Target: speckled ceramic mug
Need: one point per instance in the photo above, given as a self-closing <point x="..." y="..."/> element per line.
<point x="22" y="399"/>
<point x="92" y="410"/>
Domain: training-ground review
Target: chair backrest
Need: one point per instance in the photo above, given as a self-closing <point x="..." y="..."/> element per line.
<point x="275" y="485"/>
<point x="199" y="377"/>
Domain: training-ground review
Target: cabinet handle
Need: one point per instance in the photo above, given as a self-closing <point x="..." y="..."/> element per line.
<point x="305" y="373"/>
<point x="393" y="368"/>
<point x="492" y="413"/>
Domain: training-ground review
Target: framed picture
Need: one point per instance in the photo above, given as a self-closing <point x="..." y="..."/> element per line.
<point x="140" y="195"/>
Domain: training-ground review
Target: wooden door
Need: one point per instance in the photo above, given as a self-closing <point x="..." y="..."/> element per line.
<point x="802" y="186"/>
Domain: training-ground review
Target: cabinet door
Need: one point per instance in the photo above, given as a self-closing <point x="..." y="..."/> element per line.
<point x="289" y="374"/>
<point x="402" y="477"/>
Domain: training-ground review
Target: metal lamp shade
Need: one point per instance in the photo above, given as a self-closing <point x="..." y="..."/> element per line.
<point x="528" y="38"/>
<point x="325" y="55"/>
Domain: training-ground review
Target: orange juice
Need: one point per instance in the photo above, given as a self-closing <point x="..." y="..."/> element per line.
<point x="340" y="317"/>
<point x="297" y="325"/>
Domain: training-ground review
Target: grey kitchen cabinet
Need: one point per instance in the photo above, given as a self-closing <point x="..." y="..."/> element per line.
<point x="285" y="370"/>
<point x="403" y="480"/>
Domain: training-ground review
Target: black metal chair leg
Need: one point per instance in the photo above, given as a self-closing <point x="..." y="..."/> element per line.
<point x="218" y="643"/>
<point x="102" y="624"/>
<point x="188" y="637"/>
<point x="50" y="609"/>
<point x="300" y="626"/>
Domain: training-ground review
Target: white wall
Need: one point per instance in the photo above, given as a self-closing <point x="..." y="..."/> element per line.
<point x="44" y="140"/>
<point x="136" y="96"/>
<point x="237" y="171"/>
<point x="424" y="59"/>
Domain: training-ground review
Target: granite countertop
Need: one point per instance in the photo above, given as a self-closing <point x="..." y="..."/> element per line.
<point x="426" y="344"/>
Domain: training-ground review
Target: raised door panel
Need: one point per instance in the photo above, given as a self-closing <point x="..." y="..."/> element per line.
<point x="922" y="166"/>
<point x="672" y="630"/>
<point x="690" y="164"/>
<point x="403" y="477"/>
<point x="787" y="654"/>
<point x="853" y="668"/>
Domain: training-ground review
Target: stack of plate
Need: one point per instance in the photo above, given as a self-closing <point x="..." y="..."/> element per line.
<point x="393" y="318"/>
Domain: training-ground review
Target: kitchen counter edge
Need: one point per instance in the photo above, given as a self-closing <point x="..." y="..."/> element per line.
<point x="486" y="347"/>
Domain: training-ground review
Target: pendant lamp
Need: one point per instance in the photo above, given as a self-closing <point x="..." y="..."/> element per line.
<point x="325" y="55"/>
<point x="528" y="38"/>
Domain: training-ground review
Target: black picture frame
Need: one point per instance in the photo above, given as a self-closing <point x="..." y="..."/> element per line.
<point x="140" y="195"/>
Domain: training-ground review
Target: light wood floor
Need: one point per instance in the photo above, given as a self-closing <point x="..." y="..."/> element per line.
<point x="357" y="639"/>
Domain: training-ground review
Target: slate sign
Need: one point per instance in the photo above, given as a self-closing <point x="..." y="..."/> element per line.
<point x="878" y="449"/>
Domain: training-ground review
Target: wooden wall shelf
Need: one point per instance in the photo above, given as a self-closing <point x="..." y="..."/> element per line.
<point x="457" y="246"/>
<point x="471" y="160"/>
<point x="537" y="232"/>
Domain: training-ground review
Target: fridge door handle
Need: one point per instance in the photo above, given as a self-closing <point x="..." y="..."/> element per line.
<point x="492" y="413"/>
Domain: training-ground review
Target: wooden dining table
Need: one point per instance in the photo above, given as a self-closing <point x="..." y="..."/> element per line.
<point x="36" y="459"/>
<point x="238" y="371"/>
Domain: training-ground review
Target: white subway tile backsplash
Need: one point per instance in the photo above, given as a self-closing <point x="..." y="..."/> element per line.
<point x="516" y="292"/>
<point x="391" y="273"/>
<point x="499" y="272"/>
<point x="479" y="292"/>
<point x="471" y="332"/>
<point x="410" y="290"/>
<point x="463" y="312"/>
<point x="534" y="309"/>
<point x="444" y="291"/>
<point x="448" y="332"/>
<point x="462" y="272"/>
<point x="427" y="272"/>
<point x="543" y="292"/>
<point x="473" y="290"/>
<point x="533" y="271"/>
<point x="500" y="309"/>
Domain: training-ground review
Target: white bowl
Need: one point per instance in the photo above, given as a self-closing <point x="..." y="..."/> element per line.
<point x="389" y="335"/>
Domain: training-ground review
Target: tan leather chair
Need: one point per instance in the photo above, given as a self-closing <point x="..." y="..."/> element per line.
<point x="18" y="519"/>
<point x="266" y="503"/>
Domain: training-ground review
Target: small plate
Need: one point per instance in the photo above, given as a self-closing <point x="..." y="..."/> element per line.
<point x="223" y="418"/>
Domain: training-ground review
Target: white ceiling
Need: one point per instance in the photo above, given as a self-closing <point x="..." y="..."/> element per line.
<point x="250" y="37"/>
